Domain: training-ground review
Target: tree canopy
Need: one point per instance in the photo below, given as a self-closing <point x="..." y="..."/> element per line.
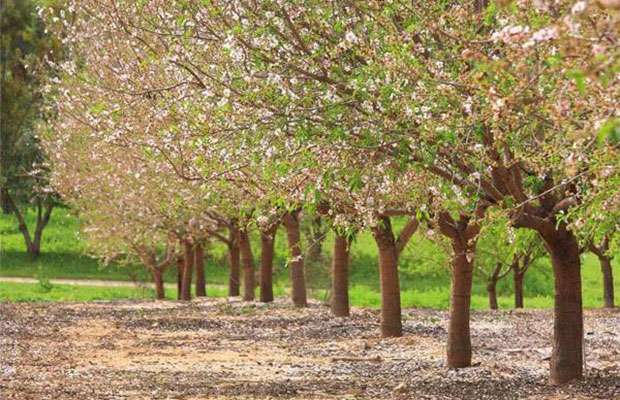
<point x="453" y="114"/>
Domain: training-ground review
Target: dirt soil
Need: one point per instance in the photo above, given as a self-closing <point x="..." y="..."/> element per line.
<point x="224" y="349"/>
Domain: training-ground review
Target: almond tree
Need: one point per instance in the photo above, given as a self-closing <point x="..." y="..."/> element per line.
<point x="599" y="225"/>
<point x="340" y="276"/>
<point x="120" y="218"/>
<point x="289" y="82"/>
<point x="215" y="93"/>
<point x="495" y="105"/>
<point x="184" y="93"/>
<point x="114" y="148"/>
<point x="602" y="253"/>
<point x="351" y="197"/>
<point x="503" y="250"/>
<point x="146" y="109"/>
<point x="267" y="224"/>
<point x="502" y="106"/>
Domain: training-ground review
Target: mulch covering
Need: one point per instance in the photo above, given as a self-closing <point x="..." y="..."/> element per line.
<point x="219" y="349"/>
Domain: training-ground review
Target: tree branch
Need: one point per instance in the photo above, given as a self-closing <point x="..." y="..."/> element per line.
<point x="406" y="233"/>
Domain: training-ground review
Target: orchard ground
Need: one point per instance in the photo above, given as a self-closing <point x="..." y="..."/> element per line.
<point x="227" y="349"/>
<point x="425" y="279"/>
<point x="110" y="342"/>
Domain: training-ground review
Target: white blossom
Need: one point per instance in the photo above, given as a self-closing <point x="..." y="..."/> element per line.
<point x="579" y="7"/>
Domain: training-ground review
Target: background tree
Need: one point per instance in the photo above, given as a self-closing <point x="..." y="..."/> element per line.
<point x="602" y="253"/>
<point x="24" y="47"/>
<point x="522" y="260"/>
<point x="503" y="250"/>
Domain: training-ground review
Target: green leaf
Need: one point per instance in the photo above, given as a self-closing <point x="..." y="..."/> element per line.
<point x="490" y="13"/>
<point x="339" y="27"/>
<point x="97" y="108"/>
<point x="609" y="132"/>
<point x="580" y="79"/>
<point x="356" y="182"/>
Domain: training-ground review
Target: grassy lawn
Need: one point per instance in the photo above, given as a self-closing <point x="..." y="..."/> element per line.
<point x="425" y="278"/>
<point x="18" y="292"/>
<point x="361" y="296"/>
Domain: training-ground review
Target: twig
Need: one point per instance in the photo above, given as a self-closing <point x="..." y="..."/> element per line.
<point x="358" y="359"/>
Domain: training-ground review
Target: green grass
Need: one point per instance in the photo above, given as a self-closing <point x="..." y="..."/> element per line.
<point x="19" y="292"/>
<point x="25" y="292"/>
<point x="62" y="251"/>
<point x="360" y="296"/>
<point x="425" y="279"/>
<point x="438" y="299"/>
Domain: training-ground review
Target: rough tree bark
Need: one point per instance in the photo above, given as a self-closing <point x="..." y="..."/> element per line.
<point x="296" y="265"/>
<point x="247" y="260"/>
<point x="391" y="325"/>
<point x="567" y="356"/>
<point x="390" y="249"/>
<point x="518" y="288"/>
<point x="267" y="238"/>
<point x="492" y="292"/>
<point x="459" y="340"/>
<point x="462" y="234"/>
<point x="180" y="267"/>
<point x="608" y="282"/>
<point x="340" y="277"/>
<point x="5" y="202"/>
<point x="43" y="218"/>
<point x="158" y="281"/>
<point x="199" y="261"/>
<point x="186" y="284"/>
<point x="234" y="262"/>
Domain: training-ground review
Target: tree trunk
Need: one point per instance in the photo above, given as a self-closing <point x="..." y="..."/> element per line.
<point x="567" y="355"/>
<point x="158" y="281"/>
<point x="21" y="224"/>
<point x="186" y="286"/>
<point x="43" y="217"/>
<point x="247" y="260"/>
<point x="199" y="261"/>
<point x="35" y="246"/>
<point x="340" y="277"/>
<point x="266" y="265"/>
<point x="296" y="264"/>
<point x="23" y="228"/>
<point x="462" y="233"/>
<point x="5" y="203"/>
<point x="608" y="281"/>
<point x="459" y="340"/>
<point x="34" y="250"/>
<point x="234" y="261"/>
<point x="391" y="325"/>
<point x="518" y="288"/>
<point x="492" y="291"/>
<point x="180" y="267"/>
